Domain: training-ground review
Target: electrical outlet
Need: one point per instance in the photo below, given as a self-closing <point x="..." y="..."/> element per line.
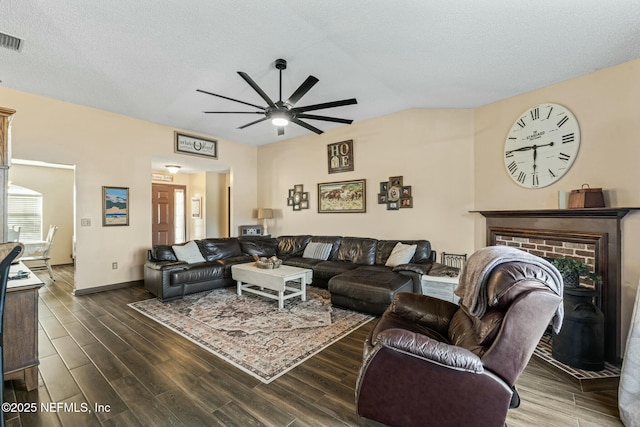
<point x="85" y="222"/>
<point x="114" y="265"/>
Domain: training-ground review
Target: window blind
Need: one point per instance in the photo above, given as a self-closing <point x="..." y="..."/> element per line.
<point x="25" y="211"/>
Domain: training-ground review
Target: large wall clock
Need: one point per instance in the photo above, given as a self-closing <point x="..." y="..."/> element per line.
<point x="542" y="145"/>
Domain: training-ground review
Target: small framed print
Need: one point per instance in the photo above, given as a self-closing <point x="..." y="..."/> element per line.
<point x="406" y="191"/>
<point x="290" y="201"/>
<point x="297" y="207"/>
<point x="305" y="196"/>
<point x="115" y="206"/>
<point x="304" y="204"/>
<point x="196" y="207"/>
<point x="384" y="186"/>
<point x="297" y="188"/>
<point x="392" y="206"/>
<point x="406" y="202"/>
<point x="291" y="191"/>
<point x="382" y="199"/>
<point x="395" y="181"/>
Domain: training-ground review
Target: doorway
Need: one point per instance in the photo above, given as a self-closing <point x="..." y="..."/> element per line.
<point x="168" y="214"/>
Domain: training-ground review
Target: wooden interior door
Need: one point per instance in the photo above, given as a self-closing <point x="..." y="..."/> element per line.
<point x="163" y="210"/>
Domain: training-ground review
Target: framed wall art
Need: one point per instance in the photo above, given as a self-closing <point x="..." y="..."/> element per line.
<point x="342" y="197"/>
<point x="196" y="207"/>
<point x="195" y="145"/>
<point x="115" y="206"/>
<point x="340" y="156"/>
<point x="394" y="194"/>
<point x="298" y="198"/>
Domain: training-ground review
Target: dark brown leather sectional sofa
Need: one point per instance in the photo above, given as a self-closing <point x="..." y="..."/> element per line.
<point x="354" y="273"/>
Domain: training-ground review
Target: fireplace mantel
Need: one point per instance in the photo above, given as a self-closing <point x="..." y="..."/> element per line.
<point x="602" y="226"/>
<point x="561" y="213"/>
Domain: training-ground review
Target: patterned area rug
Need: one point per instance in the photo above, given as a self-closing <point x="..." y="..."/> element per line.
<point x="250" y="332"/>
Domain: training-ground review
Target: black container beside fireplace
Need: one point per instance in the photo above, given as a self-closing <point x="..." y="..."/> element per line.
<point x="580" y="342"/>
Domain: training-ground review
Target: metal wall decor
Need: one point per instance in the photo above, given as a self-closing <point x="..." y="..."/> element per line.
<point x="298" y="199"/>
<point x="394" y="194"/>
<point x="340" y="156"/>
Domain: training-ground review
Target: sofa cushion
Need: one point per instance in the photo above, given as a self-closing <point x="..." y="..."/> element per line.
<point x="373" y="284"/>
<point x="261" y="246"/>
<point x="303" y="263"/>
<point x="325" y="270"/>
<point x="422" y="254"/>
<point x="197" y="273"/>
<point x="292" y="246"/>
<point x="163" y="253"/>
<point x="358" y="250"/>
<point x="189" y="253"/>
<point x="317" y="250"/>
<point x="401" y="254"/>
<point x="215" y="249"/>
<point x="335" y="244"/>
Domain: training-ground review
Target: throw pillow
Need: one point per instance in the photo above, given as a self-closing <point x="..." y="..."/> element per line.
<point x="189" y="253"/>
<point x="317" y="250"/>
<point x="401" y="254"/>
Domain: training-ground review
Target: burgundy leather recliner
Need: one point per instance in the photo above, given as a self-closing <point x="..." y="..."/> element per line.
<point x="428" y="362"/>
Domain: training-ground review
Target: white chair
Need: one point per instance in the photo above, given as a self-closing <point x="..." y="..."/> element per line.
<point x="13" y="234"/>
<point x="40" y="260"/>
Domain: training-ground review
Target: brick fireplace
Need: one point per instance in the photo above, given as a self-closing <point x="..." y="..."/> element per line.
<point x="590" y="235"/>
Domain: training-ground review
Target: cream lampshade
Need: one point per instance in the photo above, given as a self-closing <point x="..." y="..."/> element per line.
<point x="265" y="214"/>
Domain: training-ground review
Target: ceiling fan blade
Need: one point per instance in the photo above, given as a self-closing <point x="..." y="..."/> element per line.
<point x="255" y="87"/>
<point x="326" y="105"/>
<point x="253" y="123"/>
<point x="280" y="130"/>
<point x="301" y="91"/>
<point x="230" y="99"/>
<point x="325" y="118"/>
<point x="233" y="112"/>
<point x="307" y="126"/>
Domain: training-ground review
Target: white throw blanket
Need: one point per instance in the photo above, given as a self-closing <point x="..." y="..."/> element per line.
<point x="629" y="390"/>
<point x="472" y="288"/>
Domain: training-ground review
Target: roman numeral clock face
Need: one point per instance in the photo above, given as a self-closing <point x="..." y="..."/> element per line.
<point x="542" y="145"/>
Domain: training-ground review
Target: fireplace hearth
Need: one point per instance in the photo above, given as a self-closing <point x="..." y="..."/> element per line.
<point x="592" y="235"/>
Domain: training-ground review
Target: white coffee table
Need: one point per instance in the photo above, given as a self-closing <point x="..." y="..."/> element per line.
<point x="254" y="280"/>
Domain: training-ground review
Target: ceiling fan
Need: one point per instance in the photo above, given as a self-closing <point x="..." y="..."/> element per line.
<point x="283" y="112"/>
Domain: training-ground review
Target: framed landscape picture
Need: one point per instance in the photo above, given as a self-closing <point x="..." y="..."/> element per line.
<point x="342" y="197"/>
<point x="115" y="206"/>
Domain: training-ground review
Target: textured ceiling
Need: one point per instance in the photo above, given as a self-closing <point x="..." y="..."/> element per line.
<point x="146" y="58"/>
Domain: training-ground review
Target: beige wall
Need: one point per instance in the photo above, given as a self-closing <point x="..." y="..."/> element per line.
<point x="606" y="104"/>
<point x="56" y="186"/>
<point x="431" y="149"/>
<point x="114" y="150"/>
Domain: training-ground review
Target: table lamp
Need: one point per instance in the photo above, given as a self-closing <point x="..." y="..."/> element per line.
<point x="265" y="214"/>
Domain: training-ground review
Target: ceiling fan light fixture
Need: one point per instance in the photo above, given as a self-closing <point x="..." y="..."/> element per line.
<point x="279" y="119"/>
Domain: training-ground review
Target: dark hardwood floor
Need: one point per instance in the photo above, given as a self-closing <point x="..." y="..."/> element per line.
<point x="95" y="350"/>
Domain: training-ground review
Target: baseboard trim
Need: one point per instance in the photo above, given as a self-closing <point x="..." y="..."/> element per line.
<point x="80" y="292"/>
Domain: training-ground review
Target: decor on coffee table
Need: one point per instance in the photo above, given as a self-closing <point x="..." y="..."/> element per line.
<point x="394" y="194"/>
<point x="342" y="196"/>
<point x="340" y="156"/>
<point x="250" y="332"/>
<point x="298" y="199"/>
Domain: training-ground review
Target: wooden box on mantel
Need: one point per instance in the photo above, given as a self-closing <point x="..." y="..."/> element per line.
<point x="586" y="198"/>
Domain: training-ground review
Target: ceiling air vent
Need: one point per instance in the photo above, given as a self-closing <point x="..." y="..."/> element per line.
<point x="10" y="42"/>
